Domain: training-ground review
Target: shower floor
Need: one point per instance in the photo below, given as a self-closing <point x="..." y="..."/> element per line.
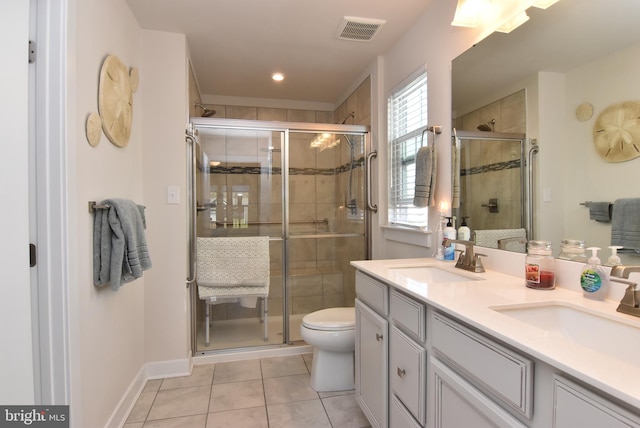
<point x="247" y="332"/>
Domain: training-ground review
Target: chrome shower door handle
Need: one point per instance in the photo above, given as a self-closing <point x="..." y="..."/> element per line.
<point x="370" y="205"/>
<point x="191" y="199"/>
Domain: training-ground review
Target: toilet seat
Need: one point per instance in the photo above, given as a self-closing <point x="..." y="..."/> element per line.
<point x="332" y="319"/>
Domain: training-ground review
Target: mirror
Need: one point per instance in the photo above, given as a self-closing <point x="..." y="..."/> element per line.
<point x="568" y="63"/>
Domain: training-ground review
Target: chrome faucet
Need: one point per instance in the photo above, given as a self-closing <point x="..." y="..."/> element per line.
<point x="467" y="260"/>
<point x="630" y="303"/>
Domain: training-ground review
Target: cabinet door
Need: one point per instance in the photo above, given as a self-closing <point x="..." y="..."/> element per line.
<point x="371" y="364"/>
<point x="407" y="372"/>
<point x="399" y="417"/>
<point x="460" y="405"/>
<point x="578" y="407"/>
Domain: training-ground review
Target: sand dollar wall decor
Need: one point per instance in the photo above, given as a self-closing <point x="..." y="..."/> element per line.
<point x="115" y="100"/>
<point x="616" y="132"/>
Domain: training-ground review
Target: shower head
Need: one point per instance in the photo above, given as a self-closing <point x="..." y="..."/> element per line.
<point x="488" y="126"/>
<point x="206" y="111"/>
<point x="352" y="114"/>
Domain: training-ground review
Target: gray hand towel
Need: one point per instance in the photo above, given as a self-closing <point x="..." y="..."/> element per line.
<point x="599" y="211"/>
<point x="425" y="180"/>
<point x="120" y="252"/>
<point x="625" y="224"/>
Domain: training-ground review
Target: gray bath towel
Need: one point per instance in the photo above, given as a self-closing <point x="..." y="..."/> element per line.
<point x="625" y="224"/>
<point x="120" y="252"/>
<point x="425" y="177"/>
<point x="599" y="211"/>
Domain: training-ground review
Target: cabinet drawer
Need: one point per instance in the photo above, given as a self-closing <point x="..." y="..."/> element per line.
<point x="575" y="406"/>
<point x="399" y="417"/>
<point x="372" y="292"/>
<point x="409" y="314"/>
<point x="407" y="373"/>
<point x="459" y="404"/>
<point x="503" y="373"/>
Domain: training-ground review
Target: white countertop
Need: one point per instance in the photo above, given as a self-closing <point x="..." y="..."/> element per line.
<point x="471" y="302"/>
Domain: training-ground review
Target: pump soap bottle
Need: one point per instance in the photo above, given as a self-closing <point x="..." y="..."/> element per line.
<point x="449" y="233"/>
<point x="614" y="259"/>
<point x="593" y="279"/>
<point x="464" y="232"/>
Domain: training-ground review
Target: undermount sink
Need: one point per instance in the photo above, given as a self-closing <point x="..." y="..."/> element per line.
<point x="614" y="337"/>
<point x="428" y="274"/>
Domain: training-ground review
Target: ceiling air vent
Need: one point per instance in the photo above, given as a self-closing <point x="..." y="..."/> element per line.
<point x="358" y="29"/>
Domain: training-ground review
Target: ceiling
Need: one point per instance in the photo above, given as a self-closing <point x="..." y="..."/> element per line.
<point x="236" y="45"/>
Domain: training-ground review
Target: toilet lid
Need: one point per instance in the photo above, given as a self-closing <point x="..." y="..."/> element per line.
<point x="331" y="319"/>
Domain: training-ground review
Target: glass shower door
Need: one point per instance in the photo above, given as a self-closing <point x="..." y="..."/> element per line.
<point x="326" y="221"/>
<point x="239" y="194"/>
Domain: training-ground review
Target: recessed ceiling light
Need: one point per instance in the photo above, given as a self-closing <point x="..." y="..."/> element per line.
<point x="278" y="77"/>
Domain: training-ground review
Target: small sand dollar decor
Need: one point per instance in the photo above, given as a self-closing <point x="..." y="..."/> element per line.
<point x="616" y="132"/>
<point x="584" y="112"/>
<point x="115" y="101"/>
<point x="94" y="129"/>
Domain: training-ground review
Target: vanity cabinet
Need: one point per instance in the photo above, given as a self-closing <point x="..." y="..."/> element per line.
<point x="371" y="351"/>
<point x="575" y="406"/>
<point x="417" y="365"/>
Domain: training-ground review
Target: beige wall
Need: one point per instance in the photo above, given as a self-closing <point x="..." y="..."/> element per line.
<point x="163" y="119"/>
<point x="585" y="175"/>
<point x="107" y="326"/>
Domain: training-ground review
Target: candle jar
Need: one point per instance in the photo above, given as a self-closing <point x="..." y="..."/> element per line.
<point x="573" y="249"/>
<point x="540" y="266"/>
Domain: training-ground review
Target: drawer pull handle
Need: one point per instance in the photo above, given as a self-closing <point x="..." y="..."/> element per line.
<point x="378" y="337"/>
<point x="401" y="372"/>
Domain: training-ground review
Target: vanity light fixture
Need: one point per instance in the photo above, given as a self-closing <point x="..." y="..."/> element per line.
<point x="324" y="141"/>
<point x="543" y="4"/>
<point x="513" y="23"/>
<point x="471" y="13"/>
<point x="503" y="15"/>
<point x="278" y="77"/>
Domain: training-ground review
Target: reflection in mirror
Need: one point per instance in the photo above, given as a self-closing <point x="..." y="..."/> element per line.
<point x="492" y="194"/>
<point x="568" y="63"/>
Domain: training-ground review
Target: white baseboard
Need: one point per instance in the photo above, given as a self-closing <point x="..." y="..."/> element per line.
<point x="172" y="368"/>
<point x="154" y="370"/>
<point x="251" y="354"/>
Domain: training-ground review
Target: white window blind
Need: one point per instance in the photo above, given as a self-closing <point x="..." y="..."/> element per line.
<point x="407" y="112"/>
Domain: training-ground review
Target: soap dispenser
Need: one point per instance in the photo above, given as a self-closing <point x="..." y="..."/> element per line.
<point x="593" y="279"/>
<point x="439" y="255"/>
<point x="464" y="232"/>
<point x="614" y="259"/>
<point x="449" y="233"/>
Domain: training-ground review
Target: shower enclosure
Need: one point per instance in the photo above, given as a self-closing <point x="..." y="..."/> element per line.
<point x="301" y="184"/>
<point x="490" y="186"/>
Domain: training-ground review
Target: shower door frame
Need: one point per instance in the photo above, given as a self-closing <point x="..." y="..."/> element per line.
<point x="286" y="128"/>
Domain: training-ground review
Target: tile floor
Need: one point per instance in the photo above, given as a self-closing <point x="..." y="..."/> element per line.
<point x="268" y="392"/>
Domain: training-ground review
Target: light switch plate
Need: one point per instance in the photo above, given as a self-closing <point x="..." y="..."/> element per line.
<point x="173" y="194"/>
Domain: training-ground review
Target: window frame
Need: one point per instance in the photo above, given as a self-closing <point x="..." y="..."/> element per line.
<point x="407" y="125"/>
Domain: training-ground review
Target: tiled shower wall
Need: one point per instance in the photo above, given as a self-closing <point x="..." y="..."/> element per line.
<point x="321" y="275"/>
<point x="491" y="168"/>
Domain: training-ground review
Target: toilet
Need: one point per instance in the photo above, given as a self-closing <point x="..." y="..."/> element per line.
<point x="332" y="333"/>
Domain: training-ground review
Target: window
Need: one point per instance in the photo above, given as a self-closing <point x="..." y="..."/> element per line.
<point x="407" y="112"/>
